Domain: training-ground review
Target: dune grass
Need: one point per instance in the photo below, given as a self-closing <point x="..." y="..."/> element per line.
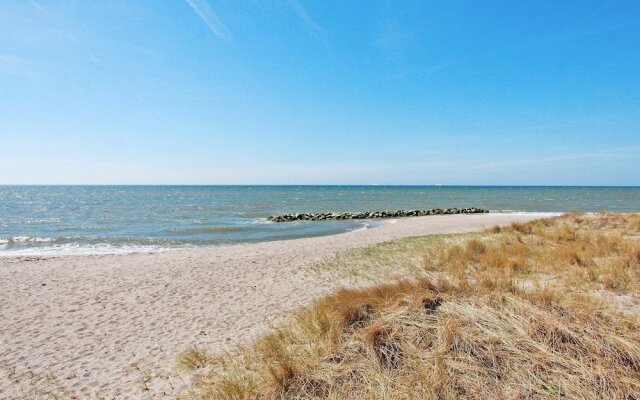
<point x="385" y="261"/>
<point x="508" y="313"/>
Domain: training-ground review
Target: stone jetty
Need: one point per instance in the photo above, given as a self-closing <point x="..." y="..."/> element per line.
<point x="373" y="214"/>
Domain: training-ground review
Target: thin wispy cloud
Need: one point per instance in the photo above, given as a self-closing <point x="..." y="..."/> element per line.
<point x="95" y="59"/>
<point x="206" y="13"/>
<point x="38" y="6"/>
<point x="316" y="30"/>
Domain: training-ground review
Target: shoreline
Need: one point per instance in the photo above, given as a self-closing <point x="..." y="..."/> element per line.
<point x="91" y="251"/>
<point x="111" y="325"/>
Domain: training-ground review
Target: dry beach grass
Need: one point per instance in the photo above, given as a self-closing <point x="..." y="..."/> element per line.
<point x="544" y="309"/>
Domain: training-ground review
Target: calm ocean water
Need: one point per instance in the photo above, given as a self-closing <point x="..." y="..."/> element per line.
<point x="95" y="219"/>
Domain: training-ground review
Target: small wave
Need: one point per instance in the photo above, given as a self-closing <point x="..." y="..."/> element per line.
<point x="25" y="239"/>
<point x="260" y="221"/>
<point x="364" y="226"/>
<point x="83" y="249"/>
<point x="22" y="220"/>
<point x="76" y="228"/>
<point x="208" y="229"/>
<point x="20" y="243"/>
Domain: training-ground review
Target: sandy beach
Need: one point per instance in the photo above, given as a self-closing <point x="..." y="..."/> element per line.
<point x="110" y="326"/>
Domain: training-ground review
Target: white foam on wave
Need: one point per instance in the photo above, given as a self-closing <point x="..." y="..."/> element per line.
<point x="364" y="226"/>
<point x="25" y="239"/>
<point x="257" y="221"/>
<point x="81" y="249"/>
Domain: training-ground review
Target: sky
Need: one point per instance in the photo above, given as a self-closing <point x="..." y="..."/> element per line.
<point x="320" y="92"/>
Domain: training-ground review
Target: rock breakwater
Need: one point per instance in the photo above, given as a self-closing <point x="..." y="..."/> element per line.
<point x="374" y="214"/>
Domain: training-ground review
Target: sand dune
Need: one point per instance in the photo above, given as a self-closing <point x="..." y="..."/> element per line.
<point x="110" y="326"/>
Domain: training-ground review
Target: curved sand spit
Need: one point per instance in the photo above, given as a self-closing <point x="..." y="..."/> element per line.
<point x="110" y="326"/>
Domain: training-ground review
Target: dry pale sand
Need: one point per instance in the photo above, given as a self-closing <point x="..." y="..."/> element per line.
<point x="110" y="326"/>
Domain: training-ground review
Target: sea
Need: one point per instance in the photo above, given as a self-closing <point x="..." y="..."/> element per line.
<point x="56" y="220"/>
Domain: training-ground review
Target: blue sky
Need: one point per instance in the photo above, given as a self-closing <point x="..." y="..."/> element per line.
<point x="320" y="92"/>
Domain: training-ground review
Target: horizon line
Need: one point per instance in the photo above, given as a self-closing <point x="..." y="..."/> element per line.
<point x="322" y="185"/>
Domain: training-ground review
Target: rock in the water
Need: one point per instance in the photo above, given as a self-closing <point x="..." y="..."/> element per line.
<point x="373" y="214"/>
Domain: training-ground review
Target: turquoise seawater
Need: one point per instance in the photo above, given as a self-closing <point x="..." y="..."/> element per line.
<point x="94" y="219"/>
